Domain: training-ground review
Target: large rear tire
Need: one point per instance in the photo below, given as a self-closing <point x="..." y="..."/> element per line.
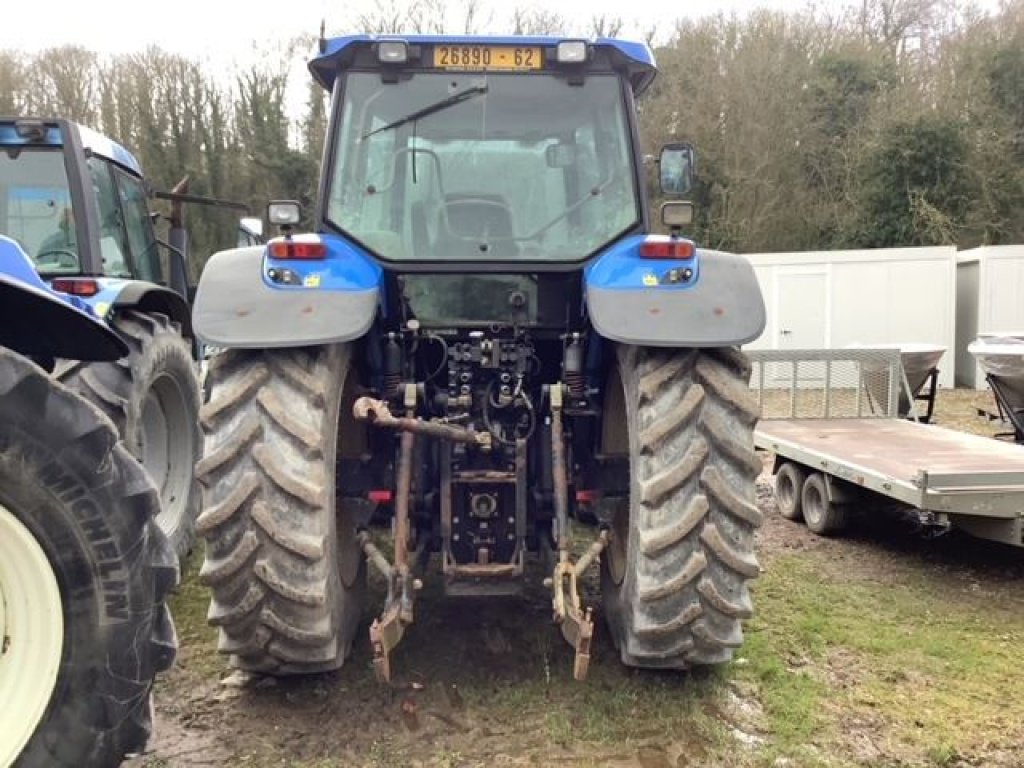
<point x="84" y="575"/>
<point x="152" y="396"/>
<point x="675" y="578"/>
<point x="287" y="575"/>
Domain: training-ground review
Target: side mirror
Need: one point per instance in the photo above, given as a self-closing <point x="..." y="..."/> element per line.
<point x="676" y="169"/>
<point x="284" y="213"/>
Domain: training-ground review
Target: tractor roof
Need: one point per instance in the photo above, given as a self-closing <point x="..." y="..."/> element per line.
<point x="99" y="144"/>
<point x="59" y="132"/>
<point x="635" y="59"/>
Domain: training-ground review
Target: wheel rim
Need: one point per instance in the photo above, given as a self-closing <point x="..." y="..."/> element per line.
<point x="813" y="505"/>
<point x="167" y="450"/>
<point x="615" y="441"/>
<point x="617" y="545"/>
<point x="32" y="632"/>
<point x="785" y="492"/>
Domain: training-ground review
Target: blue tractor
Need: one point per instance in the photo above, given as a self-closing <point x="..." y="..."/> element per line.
<point x="484" y="344"/>
<point x="76" y="204"/>
<point x="84" y="568"/>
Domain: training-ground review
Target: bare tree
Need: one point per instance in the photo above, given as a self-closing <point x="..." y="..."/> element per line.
<point x="10" y="80"/>
<point x="63" y="81"/>
<point x="537" y="21"/>
<point x="390" y="17"/>
<point x="896" y="23"/>
<point x="477" y="17"/>
<point x="605" y="26"/>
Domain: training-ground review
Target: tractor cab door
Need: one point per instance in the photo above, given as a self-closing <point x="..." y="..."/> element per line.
<point x="126" y="239"/>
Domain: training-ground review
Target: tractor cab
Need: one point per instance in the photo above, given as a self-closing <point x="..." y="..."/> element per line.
<point x="483" y="153"/>
<point x="75" y="201"/>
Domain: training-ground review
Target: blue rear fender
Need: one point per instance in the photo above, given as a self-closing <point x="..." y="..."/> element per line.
<point x="707" y="299"/>
<point x="41" y="323"/>
<point x="309" y="289"/>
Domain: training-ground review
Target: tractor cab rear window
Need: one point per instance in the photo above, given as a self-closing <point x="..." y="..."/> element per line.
<point x="35" y="207"/>
<point x="483" y="167"/>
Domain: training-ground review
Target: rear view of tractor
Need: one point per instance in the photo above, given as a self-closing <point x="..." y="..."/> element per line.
<point x="84" y="568"/>
<point x="481" y="343"/>
<point x="77" y="205"/>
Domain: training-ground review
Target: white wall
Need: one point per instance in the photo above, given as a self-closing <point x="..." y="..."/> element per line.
<point x="997" y="303"/>
<point x="828" y="299"/>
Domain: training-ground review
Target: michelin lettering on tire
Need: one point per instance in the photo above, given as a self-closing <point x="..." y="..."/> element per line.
<point x="72" y="488"/>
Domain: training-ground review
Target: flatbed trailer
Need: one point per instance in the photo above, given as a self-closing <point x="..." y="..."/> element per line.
<point x="829" y="458"/>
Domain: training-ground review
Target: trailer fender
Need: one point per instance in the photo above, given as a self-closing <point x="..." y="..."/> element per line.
<point x="38" y="323"/>
<point x="711" y="299"/>
<point x="246" y="299"/>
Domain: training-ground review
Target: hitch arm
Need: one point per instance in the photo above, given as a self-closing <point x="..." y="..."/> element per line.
<point x="377" y="413"/>
<point x="575" y="622"/>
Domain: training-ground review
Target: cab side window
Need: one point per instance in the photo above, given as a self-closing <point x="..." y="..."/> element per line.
<point x="113" y="242"/>
<point x="139" y="226"/>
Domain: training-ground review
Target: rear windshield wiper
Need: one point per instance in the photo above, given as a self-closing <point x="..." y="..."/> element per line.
<point x="451" y="101"/>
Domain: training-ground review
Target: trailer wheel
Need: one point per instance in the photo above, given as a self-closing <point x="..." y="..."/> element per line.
<point x="675" y="578"/>
<point x="823" y="517"/>
<point x="84" y="575"/>
<point x="789" y="483"/>
<point x="286" y="572"/>
<point x="152" y="396"/>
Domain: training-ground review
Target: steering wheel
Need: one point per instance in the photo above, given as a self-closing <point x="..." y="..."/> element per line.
<point x="63" y="258"/>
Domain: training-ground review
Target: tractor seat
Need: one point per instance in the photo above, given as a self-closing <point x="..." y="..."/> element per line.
<point x="478" y="226"/>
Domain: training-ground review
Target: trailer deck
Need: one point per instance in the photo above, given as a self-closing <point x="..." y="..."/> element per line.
<point x="972" y="482"/>
<point x="927" y="466"/>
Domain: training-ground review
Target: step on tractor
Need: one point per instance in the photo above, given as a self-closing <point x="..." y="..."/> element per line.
<point x="85" y="570"/>
<point x="77" y="204"/>
<point x="483" y="344"/>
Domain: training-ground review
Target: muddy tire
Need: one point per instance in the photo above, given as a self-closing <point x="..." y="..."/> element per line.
<point x="789" y="484"/>
<point x="152" y="396"/>
<point x="823" y="517"/>
<point x="675" y="577"/>
<point x="287" y="576"/>
<point x="84" y="575"/>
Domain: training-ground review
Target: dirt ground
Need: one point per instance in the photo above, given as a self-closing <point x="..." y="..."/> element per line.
<point x="490" y="685"/>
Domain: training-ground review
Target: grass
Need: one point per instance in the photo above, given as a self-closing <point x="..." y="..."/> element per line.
<point x="926" y="671"/>
<point x="196" y="639"/>
<point x="933" y="669"/>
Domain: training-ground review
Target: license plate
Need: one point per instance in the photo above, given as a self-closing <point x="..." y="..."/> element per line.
<point x="488" y="57"/>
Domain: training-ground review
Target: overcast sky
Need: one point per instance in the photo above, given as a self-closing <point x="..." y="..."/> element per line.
<point x="224" y="30"/>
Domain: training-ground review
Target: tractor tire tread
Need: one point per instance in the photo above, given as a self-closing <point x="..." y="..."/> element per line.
<point x="101" y="707"/>
<point x="691" y="525"/>
<point x="113" y="387"/>
<point x="267" y="521"/>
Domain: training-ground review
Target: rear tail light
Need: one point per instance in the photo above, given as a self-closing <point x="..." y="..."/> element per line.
<point x="75" y="286"/>
<point x="671" y="249"/>
<point x="295" y="250"/>
<point x="380" y="496"/>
